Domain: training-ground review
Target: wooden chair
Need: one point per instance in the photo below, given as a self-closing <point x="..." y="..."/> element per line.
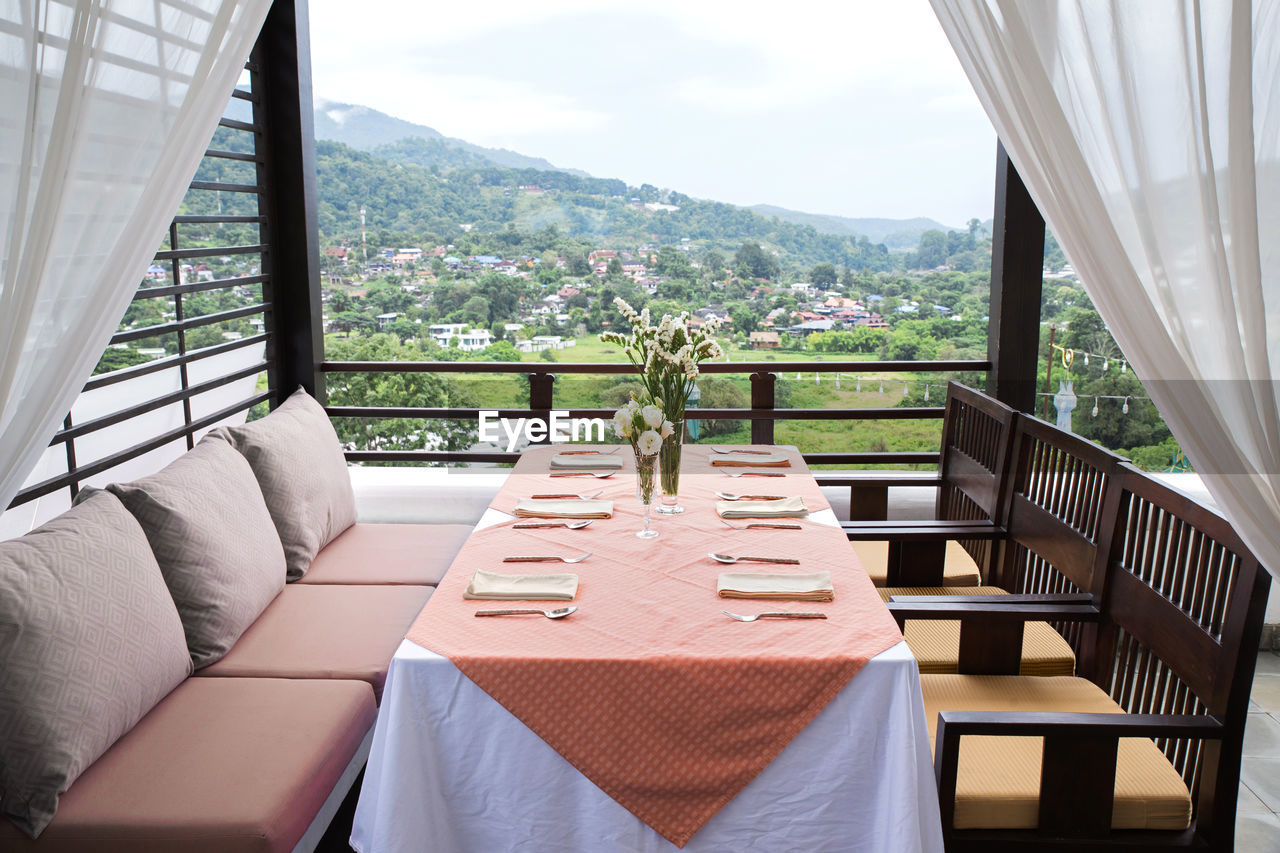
<point x="993" y="459"/>
<point x="1142" y="750"/>
<point x="954" y="549"/>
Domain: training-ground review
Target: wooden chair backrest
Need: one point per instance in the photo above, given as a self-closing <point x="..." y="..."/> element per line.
<point x="1184" y="607"/>
<point x="977" y="436"/>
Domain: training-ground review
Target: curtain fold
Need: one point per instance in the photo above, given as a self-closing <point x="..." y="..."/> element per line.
<point x="108" y="107"/>
<point x="1148" y="134"/>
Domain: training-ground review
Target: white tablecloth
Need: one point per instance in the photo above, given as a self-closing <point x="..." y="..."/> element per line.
<point x="451" y="770"/>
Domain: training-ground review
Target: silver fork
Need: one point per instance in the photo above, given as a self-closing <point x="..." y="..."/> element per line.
<point x="599" y="475"/>
<point x="751" y="617"/>
<point x="589" y="497"/>
<point x="725" y="496"/>
<point x="757" y="525"/>
<point x="726" y="450"/>
<point x="552" y="558"/>
<point x="586" y="452"/>
<point x="753" y="474"/>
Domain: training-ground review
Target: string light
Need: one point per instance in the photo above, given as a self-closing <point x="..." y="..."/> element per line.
<point x="1094" y="413"/>
<point x="926" y="393"/>
<point x="859" y="388"/>
<point x="1125" y="407"/>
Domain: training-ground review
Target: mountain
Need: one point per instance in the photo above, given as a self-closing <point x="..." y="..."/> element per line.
<point x="894" y="233"/>
<point x="367" y="129"/>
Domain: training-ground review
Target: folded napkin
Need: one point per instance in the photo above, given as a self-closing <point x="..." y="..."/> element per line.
<point x="491" y="585"/>
<point x="785" y="508"/>
<point x="750" y="460"/>
<point x="586" y="460"/>
<point x="532" y="508"/>
<point x="811" y="587"/>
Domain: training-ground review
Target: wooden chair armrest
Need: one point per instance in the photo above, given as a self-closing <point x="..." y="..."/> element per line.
<point x="988" y="609"/>
<point x="1014" y="599"/>
<point x="1078" y="765"/>
<point x="920" y="530"/>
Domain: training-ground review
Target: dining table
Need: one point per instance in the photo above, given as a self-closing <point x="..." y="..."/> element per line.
<point x="646" y="719"/>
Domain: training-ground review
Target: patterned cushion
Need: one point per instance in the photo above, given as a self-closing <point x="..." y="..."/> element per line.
<point x="212" y="535"/>
<point x="89" y="642"/>
<point x="299" y="464"/>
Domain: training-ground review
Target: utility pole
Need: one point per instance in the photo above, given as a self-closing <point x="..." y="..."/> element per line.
<point x="364" y="249"/>
<point x="1048" y="373"/>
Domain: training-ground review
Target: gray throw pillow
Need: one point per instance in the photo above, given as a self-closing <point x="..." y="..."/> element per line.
<point x="299" y="464"/>
<point x="214" y="540"/>
<point x="89" y="642"/>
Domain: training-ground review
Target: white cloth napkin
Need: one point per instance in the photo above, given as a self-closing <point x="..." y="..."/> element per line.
<point x="587" y="460"/>
<point x="535" y="508"/>
<point x="750" y="460"/>
<point x="785" y="508"/>
<point x="811" y="587"/>
<point x="495" y="586"/>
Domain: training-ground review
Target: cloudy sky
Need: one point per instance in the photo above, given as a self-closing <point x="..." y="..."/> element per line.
<point x="854" y="108"/>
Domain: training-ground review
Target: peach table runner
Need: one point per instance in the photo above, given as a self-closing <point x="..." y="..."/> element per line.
<point x="664" y="703"/>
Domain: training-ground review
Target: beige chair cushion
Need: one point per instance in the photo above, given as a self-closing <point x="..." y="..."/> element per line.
<point x="416" y="554"/>
<point x="936" y="643"/>
<point x="89" y="642"/>
<point x="295" y="454"/>
<point x="214" y="540"/>
<point x="958" y="569"/>
<point x="998" y="783"/>
<point x="326" y="631"/>
<point x="222" y="765"/>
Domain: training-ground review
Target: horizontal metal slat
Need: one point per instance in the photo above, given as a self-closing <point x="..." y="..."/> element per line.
<point x="183" y="325"/>
<point x="199" y="286"/>
<point x="890" y="458"/>
<point x="239" y="125"/>
<point x="114" y="418"/>
<point x="216" y="219"/>
<point x="226" y="188"/>
<point x="83" y="472"/>
<point x="247" y="157"/>
<point x="691" y="414"/>
<point x="116" y="376"/>
<point x="209" y="252"/>
<point x="244" y="94"/>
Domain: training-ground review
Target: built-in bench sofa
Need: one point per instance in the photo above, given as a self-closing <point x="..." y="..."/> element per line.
<point x="193" y="661"/>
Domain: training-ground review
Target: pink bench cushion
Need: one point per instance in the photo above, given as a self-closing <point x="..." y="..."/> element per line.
<point x="416" y="554"/>
<point x="221" y="765"/>
<point x="325" y="631"/>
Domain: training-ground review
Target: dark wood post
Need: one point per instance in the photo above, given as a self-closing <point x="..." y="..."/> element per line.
<point x="281" y="65"/>
<point x="762" y="400"/>
<point x="1017" y="270"/>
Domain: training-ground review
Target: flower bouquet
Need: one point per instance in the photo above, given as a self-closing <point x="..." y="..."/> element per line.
<point x="667" y="356"/>
<point x="645" y="427"/>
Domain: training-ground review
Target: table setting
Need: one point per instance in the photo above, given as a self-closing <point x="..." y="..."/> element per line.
<point x="720" y="677"/>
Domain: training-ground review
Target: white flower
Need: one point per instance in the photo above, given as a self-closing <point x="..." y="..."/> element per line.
<point x="648" y="443"/>
<point x="667" y="429"/>
<point x="652" y="416"/>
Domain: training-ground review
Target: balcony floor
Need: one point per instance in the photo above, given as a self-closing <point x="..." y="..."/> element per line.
<point x="1258" y="809"/>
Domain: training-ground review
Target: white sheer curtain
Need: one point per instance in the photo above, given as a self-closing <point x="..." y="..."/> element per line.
<point x="1149" y="136"/>
<point x="106" y="108"/>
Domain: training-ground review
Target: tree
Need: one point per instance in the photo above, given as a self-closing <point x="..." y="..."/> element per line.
<point x="906" y="343"/>
<point x="404" y="329"/>
<point x="614" y="267"/>
<point x="751" y="261"/>
<point x="933" y="250"/>
<point x="713" y="265"/>
<point x="424" y="390"/>
<point x="823" y="275"/>
<point x="721" y="394"/>
<point x="578" y="265"/>
<point x="117" y="359"/>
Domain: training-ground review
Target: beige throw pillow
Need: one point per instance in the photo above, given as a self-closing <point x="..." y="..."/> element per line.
<point x="214" y="539"/>
<point x="89" y="642"/>
<point x="298" y="461"/>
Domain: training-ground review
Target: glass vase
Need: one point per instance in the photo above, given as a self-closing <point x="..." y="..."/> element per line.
<point x="646" y="469"/>
<point x="669" y="469"/>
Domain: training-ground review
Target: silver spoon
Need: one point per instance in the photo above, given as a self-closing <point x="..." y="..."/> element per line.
<point x="727" y="450"/>
<point x="754" y="616"/>
<point x="551" y="558"/>
<point x="599" y="475"/>
<point x="575" y="525"/>
<point x="558" y="613"/>
<point x="753" y="473"/>
<point x="725" y="496"/>
<point x="725" y="558"/>
<point x="589" y="497"/>
<point x="757" y="525"/>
